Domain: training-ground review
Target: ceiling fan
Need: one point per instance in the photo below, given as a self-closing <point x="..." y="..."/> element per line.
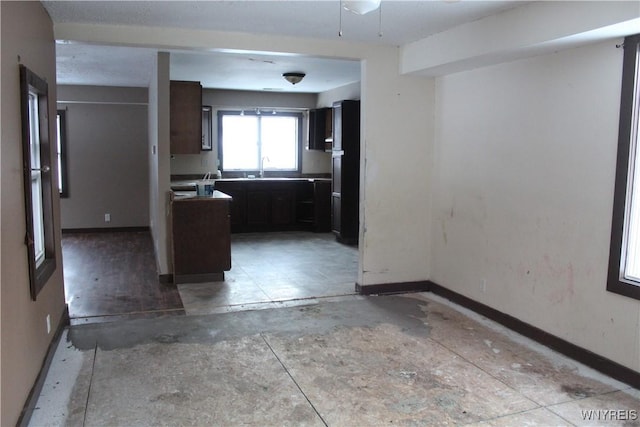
<point x="361" y="7"/>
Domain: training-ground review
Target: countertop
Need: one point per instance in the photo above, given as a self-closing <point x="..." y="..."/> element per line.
<point x="190" y="185"/>
<point x="275" y="179"/>
<point x="191" y="195"/>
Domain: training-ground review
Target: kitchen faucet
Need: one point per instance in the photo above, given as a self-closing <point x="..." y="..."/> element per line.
<point x="262" y="165"/>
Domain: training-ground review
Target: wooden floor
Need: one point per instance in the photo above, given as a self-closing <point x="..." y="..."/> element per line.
<point x="110" y="275"/>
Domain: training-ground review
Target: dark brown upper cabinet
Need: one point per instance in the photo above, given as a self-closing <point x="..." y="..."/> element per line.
<point x="320" y="129"/>
<point x="186" y="117"/>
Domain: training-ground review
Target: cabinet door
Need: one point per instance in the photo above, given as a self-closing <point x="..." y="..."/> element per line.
<point x="318" y="130"/>
<point x="313" y="129"/>
<point x="201" y="241"/>
<point x="281" y="207"/>
<point x="185" y="121"/>
<point x="337" y="126"/>
<point x="238" y="205"/>
<point x="336" y="174"/>
<point x="257" y="207"/>
<point x="336" y="214"/>
<point x="322" y="206"/>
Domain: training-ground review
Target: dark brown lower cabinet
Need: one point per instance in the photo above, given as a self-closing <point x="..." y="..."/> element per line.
<point x="237" y="206"/>
<point x="282" y="212"/>
<point x="258" y="207"/>
<point x="278" y="205"/>
<point x="201" y="240"/>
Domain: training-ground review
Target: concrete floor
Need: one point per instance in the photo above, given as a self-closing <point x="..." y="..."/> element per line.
<point x="412" y="360"/>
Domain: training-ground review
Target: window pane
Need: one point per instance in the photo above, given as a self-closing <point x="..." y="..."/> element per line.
<point x="632" y="268"/>
<point x="240" y="142"/>
<point x="59" y="140"/>
<point x="38" y="219"/>
<point x="280" y="142"/>
<point x="36" y="180"/>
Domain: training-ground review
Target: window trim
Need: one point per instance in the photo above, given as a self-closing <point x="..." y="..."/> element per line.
<point x="629" y="110"/>
<point x="296" y="114"/>
<point x="40" y="273"/>
<point x="64" y="182"/>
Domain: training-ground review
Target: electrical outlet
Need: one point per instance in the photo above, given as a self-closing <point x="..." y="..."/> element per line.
<point x="107" y="217"/>
<point x="48" y="324"/>
<point x="483" y="285"/>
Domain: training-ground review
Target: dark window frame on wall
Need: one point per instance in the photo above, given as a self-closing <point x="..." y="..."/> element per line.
<point x="618" y="280"/>
<point x="62" y="154"/>
<point x="38" y="175"/>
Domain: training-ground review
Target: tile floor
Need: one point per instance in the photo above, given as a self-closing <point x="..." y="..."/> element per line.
<point x="412" y="360"/>
<point x="270" y="268"/>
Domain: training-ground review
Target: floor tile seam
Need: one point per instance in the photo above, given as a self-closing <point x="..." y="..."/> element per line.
<point x="262" y="290"/>
<point x="520" y="413"/>
<point x="538" y="405"/>
<point x="284" y="367"/>
<point x="129" y="313"/>
<point x="550" y="409"/>
<point x="277" y="302"/>
<point x="265" y="305"/>
<point x="93" y="367"/>
<point x="315" y="297"/>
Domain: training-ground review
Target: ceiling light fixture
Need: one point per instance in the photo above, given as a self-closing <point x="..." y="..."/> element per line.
<point x="361" y="7"/>
<point x="294" y="78"/>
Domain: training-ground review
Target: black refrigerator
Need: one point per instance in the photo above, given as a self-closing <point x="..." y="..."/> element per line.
<point x="345" y="171"/>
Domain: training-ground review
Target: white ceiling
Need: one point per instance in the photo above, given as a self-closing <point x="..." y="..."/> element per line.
<point x="402" y="22"/>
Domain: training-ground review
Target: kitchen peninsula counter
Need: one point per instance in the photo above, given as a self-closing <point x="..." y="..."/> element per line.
<point x="201" y="240"/>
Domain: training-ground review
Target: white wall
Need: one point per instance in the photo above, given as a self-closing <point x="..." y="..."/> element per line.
<point x="395" y="173"/>
<point x="107" y="162"/>
<point x="531" y="29"/>
<point x="524" y="161"/>
<point x="27" y="33"/>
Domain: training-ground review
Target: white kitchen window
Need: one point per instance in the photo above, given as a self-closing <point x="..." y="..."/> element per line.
<point x="254" y="141"/>
<point x="624" y="255"/>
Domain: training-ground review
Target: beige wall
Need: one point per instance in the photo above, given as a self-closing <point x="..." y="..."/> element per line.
<point x="27" y="32"/>
<point x="188" y="164"/>
<point x="524" y="164"/>
<point x="350" y="91"/>
<point x="159" y="168"/>
<point x="107" y="162"/>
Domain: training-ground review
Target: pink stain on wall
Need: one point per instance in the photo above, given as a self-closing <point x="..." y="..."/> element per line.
<point x="563" y="273"/>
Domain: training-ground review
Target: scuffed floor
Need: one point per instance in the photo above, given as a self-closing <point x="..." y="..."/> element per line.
<point x="413" y="360"/>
